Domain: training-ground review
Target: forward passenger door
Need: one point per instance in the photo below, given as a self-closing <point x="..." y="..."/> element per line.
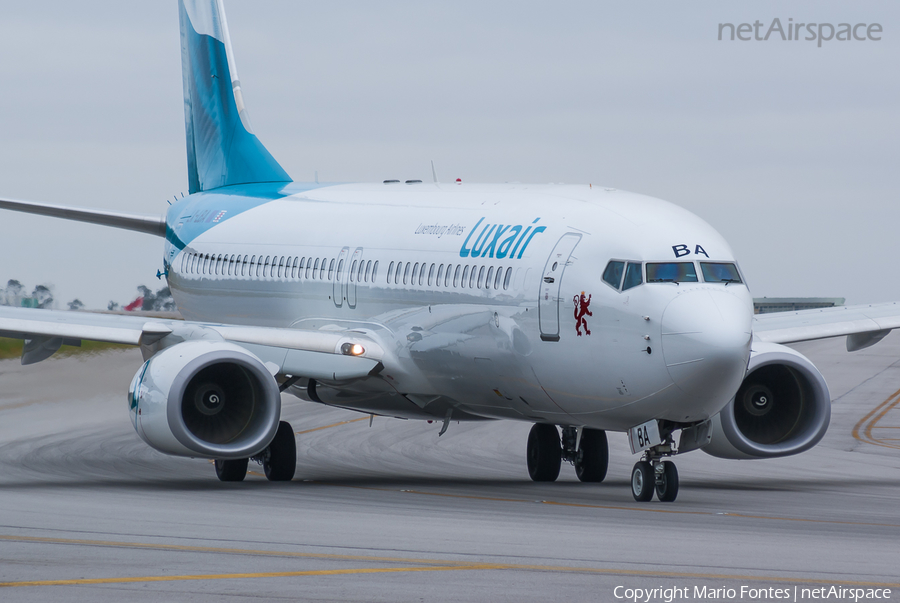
<point x="551" y="282"/>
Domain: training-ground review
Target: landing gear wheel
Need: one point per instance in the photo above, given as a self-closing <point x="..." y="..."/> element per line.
<point x="544" y="453"/>
<point x="231" y="470"/>
<point x="642" y="481"/>
<point x="667" y="484"/>
<point x="280" y="458"/>
<point x="593" y="458"/>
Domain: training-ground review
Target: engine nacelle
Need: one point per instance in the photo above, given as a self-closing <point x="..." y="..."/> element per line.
<point x="206" y="399"/>
<point x="782" y="407"/>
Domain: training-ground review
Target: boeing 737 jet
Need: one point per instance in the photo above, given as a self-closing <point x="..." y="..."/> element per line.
<point x="579" y="309"/>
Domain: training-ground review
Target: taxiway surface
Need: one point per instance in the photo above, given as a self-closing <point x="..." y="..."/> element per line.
<point x="391" y="512"/>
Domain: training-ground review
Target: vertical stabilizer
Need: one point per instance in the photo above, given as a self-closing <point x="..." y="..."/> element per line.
<point x="221" y="147"/>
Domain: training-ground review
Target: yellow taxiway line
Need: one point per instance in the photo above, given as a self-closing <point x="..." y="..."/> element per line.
<point x="641" y="509"/>
<point x="410" y="565"/>
<point x="338" y="424"/>
<point x="862" y="431"/>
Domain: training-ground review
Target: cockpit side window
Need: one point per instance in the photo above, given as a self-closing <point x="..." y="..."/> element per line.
<point x="714" y="272"/>
<point x="671" y="272"/>
<point x="613" y="274"/>
<point x="632" y="276"/>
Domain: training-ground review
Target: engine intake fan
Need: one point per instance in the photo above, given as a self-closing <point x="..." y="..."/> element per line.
<point x="782" y="407"/>
<point x="205" y="399"/>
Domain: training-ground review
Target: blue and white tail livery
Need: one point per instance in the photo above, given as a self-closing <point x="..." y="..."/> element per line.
<point x="579" y="309"/>
<point x="221" y="147"/>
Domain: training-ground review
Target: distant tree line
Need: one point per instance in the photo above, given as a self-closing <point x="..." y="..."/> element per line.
<point x="14" y="294"/>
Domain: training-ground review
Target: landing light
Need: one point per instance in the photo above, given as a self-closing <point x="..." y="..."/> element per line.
<point x="352" y="349"/>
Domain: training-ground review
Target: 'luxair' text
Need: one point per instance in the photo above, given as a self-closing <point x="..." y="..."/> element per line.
<point x="499" y="240"/>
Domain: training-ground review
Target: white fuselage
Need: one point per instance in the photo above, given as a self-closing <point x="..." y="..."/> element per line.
<point x="502" y="334"/>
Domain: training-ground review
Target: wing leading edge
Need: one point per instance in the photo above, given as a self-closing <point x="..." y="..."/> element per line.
<point x="864" y="325"/>
<point x="314" y="354"/>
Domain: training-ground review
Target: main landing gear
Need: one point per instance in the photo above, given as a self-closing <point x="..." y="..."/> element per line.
<point x="279" y="460"/>
<point x="587" y="449"/>
<point x="649" y="474"/>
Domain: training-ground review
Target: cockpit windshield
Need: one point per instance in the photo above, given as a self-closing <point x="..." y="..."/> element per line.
<point x="671" y="272"/>
<point x="632" y="276"/>
<point x="714" y="272"/>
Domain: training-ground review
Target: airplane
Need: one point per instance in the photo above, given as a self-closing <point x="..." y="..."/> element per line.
<point x="579" y="309"/>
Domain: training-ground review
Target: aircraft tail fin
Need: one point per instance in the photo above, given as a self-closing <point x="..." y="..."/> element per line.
<point x="221" y="147"/>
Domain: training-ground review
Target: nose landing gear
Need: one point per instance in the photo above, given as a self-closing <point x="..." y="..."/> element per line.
<point x="649" y="474"/>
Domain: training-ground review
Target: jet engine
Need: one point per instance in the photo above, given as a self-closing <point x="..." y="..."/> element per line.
<point x="207" y="399"/>
<point x="781" y="408"/>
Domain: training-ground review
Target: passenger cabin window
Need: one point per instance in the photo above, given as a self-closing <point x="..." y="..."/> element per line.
<point x="507" y="278"/>
<point x="390" y="272"/>
<point x="671" y="272"/>
<point x="714" y="272"/>
<point x="613" y="274"/>
<point x="331" y="269"/>
<point x="632" y="276"/>
<point x="374" y="271"/>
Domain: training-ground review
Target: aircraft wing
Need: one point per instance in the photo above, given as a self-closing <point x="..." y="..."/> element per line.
<point x="155" y="225"/>
<point x="325" y="355"/>
<point x="864" y="325"/>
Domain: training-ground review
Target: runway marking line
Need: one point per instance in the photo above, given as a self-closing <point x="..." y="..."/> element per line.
<point x="862" y="431"/>
<point x="419" y="565"/>
<point x="21" y="405"/>
<point x="338" y="424"/>
<point x="616" y="508"/>
<point x="129" y="579"/>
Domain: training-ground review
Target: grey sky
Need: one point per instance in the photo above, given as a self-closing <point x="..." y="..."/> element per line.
<point x="788" y="149"/>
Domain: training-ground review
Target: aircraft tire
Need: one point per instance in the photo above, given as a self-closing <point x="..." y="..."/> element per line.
<point x="592" y="463"/>
<point x="667" y="489"/>
<point x="231" y="470"/>
<point x="281" y="459"/>
<point x="642" y="481"/>
<point x="544" y="453"/>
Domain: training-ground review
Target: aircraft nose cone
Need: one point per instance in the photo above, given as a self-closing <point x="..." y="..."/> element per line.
<point x="706" y="344"/>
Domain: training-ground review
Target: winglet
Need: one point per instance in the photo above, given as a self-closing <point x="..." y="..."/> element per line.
<point x="221" y="147"/>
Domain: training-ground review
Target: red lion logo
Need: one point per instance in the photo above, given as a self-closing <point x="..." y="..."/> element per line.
<point x="582" y="304"/>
